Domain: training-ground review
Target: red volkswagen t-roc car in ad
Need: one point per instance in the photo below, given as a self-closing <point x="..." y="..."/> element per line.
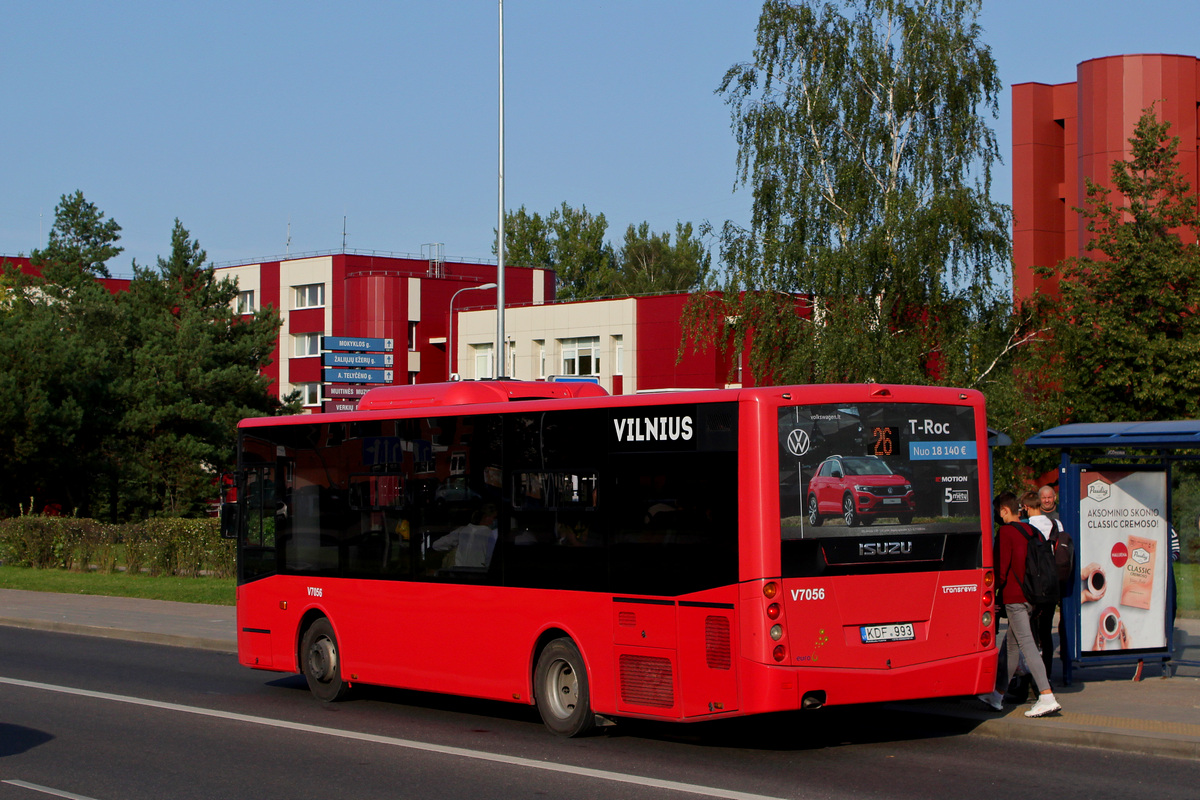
<point x="859" y="489"/>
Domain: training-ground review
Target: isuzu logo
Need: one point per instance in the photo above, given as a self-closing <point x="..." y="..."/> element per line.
<point x="884" y="548"/>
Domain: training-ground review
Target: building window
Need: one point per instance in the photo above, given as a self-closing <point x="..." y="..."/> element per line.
<point x="412" y="336"/>
<point x="311" y="295"/>
<point x="581" y="356"/>
<point x="483" y="360"/>
<point x="310" y="393"/>
<point x="245" y="302"/>
<point x="306" y="344"/>
<point x="618" y="355"/>
<point x="541" y="358"/>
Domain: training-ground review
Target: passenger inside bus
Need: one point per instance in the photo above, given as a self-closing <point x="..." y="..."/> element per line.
<point x="473" y="543"/>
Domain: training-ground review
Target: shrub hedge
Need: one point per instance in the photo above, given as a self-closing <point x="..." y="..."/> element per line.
<point x="161" y="546"/>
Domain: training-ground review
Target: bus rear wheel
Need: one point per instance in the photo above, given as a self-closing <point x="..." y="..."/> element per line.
<point x="320" y="661"/>
<point x="560" y="689"/>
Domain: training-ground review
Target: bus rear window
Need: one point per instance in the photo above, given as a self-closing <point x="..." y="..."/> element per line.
<point x="912" y="468"/>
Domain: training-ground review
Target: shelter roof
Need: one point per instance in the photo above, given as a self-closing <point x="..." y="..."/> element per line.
<point x="1179" y="434"/>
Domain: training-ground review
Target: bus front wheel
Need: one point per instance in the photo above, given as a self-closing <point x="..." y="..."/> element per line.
<point x="320" y="660"/>
<point x="560" y="689"/>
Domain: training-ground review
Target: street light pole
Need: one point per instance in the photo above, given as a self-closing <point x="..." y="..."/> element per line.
<point x="451" y="355"/>
<point x="498" y="366"/>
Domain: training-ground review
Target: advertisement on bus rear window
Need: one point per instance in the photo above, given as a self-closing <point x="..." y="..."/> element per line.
<point x="843" y="468"/>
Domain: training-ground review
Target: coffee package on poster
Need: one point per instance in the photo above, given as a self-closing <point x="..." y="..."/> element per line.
<point x="1138" y="583"/>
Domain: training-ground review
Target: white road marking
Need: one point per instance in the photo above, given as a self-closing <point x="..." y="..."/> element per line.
<point x="461" y="752"/>
<point x="48" y="790"/>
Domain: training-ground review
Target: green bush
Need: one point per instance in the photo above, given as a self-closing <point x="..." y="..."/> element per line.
<point x="161" y="546"/>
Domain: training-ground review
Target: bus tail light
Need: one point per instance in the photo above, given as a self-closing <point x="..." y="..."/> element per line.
<point x="989" y="599"/>
<point x="770" y="589"/>
<point x="987" y="619"/>
<point x="989" y="579"/>
<point x="773" y="611"/>
<point x="985" y="638"/>
<point x="779" y="653"/>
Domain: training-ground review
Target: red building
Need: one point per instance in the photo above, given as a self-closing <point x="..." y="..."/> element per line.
<point x="405" y="300"/>
<point x="1067" y="133"/>
<point x="23" y="263"/>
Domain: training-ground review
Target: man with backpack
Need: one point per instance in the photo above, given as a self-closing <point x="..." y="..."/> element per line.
<point x="1017" y="586"/>
<point x="1060" y="541"/>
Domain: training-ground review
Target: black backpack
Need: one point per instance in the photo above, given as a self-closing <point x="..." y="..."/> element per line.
<point x="1064" y="551"/>
<point x="1041" y="570"/>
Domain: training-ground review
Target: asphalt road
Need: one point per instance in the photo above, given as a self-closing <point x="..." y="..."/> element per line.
<point x="84" y="717"/>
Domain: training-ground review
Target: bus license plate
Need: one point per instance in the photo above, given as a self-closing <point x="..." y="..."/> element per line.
<point x="898" y="632"/>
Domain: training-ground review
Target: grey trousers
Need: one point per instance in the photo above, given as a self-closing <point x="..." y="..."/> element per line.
<point x="1020" y="642"/>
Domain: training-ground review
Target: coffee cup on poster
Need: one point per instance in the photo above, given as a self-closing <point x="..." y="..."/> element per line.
<point x="1110" y="623"/>
<point x="1095" y="582"/>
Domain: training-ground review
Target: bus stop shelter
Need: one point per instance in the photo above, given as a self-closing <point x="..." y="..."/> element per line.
<point x="1115" y="500"/>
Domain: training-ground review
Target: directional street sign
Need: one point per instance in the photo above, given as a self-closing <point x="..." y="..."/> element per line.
<point x="358" y="375"/>
<point x="357" y="360"/>
<point x="357" y="344"/>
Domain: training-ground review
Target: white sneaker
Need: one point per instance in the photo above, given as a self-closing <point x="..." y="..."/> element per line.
<point x="1046" y="704"/>
<point x="995" y="700"/>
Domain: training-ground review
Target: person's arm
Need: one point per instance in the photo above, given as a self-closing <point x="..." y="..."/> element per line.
<point x="1003" y="559"/>
<point x="447" y="542"/>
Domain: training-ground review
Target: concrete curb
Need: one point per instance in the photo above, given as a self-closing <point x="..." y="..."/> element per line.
<point x="149" y="637"/>
<point x="1145" y="737"/>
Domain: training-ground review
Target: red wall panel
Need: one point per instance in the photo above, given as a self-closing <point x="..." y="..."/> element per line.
<point x="1095" y="116"/>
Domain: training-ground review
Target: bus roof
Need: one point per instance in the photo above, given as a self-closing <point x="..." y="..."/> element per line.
<point x="462" y="393"/>
<point x="494" y="393"/>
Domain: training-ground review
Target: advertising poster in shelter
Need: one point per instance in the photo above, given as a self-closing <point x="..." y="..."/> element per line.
<point x="1123" y="543"/>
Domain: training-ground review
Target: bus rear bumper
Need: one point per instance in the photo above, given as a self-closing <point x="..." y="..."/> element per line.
<point x="785" y="688"/>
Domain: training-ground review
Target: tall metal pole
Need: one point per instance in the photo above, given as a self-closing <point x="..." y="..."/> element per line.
<point x="499" y="352"/>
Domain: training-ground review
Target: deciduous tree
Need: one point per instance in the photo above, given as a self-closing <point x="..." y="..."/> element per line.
<point x="570" y="241"/>
<point x="863" y="139"/>
<point x="650" y="262"/>
<point x="1127" y="322"/>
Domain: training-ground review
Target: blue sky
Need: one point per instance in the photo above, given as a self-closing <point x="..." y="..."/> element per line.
<point x="240" y="118"/>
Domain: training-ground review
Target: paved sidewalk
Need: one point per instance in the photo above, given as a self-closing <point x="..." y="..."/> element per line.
<point x="158" y="621"/>
<point x="1104" y="708"/>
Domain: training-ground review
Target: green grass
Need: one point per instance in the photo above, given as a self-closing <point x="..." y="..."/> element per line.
<point x="1187" y="586"/>
<point x="215" y="591"/>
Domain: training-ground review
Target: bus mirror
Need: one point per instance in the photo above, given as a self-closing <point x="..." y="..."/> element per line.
<point x="229" y="520"/>
<point x="229" y="493"/>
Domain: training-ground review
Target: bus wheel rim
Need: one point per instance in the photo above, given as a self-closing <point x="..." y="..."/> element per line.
<point x="322" y="659"/>
<point x="562" y="689"/>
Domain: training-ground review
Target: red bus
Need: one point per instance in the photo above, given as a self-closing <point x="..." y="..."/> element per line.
<point x="682" y="556"/>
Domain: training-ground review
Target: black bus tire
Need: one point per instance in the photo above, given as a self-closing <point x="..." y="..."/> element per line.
<point x="320" y="661"/>
<point x="560" y="689"/>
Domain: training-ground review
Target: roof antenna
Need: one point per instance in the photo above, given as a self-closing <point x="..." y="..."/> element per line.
<point x="343" y="233"/>
<point x="287" y="248"/>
